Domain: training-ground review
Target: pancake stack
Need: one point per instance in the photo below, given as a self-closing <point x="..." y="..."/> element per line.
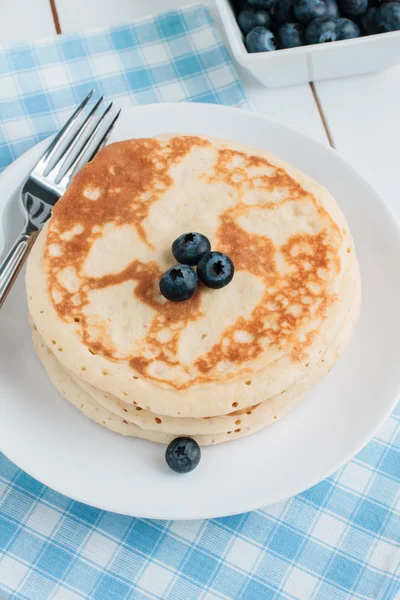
<point x="225" y="363"/>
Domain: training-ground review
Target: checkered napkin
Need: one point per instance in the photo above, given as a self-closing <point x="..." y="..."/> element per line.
<point x="337" y="541"/>
<point x="175" y="56"/>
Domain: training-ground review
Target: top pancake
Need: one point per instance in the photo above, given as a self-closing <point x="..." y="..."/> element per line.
<point x="93" y="276"/>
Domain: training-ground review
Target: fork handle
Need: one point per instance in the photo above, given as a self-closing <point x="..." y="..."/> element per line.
<point x="13" y="262"/>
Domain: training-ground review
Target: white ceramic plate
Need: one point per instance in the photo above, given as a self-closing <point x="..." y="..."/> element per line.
<point x="55" y="443"/>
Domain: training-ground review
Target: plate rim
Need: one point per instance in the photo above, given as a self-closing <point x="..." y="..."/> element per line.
<point x="250" y="505"/>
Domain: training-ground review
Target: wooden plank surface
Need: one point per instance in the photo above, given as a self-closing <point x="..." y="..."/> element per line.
<point x="294" y="106"/>
<point x="363" y="114"/>
<point x="22" y="20"/>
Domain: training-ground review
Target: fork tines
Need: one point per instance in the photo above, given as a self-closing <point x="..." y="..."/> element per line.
<point x="71" y="144"/>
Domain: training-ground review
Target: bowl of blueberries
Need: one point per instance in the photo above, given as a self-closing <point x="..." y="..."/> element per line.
<point x="286" y="42"/>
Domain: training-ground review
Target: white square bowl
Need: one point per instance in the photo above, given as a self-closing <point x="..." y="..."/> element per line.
<point x="311" y="63"/>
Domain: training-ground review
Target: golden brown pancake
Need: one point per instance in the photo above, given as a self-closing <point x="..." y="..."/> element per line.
<point x="126" y="420"/>
<point x="93" y="276"/>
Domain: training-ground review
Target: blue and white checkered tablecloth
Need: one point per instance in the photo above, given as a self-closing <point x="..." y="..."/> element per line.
<point x="336" y="541"/>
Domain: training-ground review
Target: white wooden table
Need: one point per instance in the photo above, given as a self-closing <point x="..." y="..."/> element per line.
<point x="359" y="116"/>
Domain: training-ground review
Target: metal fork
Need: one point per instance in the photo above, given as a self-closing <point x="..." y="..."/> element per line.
<point x="45" y="184"/>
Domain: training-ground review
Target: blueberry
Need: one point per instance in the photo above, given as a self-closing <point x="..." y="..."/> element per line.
<point x="215" y="270"/>
<point x="346" y="29"/>
<point x="250" y="18"/>
<point x="183" y="454"/>
<point x="332" y="9"/>
<point x="239" y="5"/>
<point x="282" y="12"/>
<point x="307" y="10"/>
<point x="260" y="39"/>
<point x="179" y="283"/>
<point x="389" y="17"/>
<point x="263" y="3"/>
<point x="369" y="21"/>
<point x="353" y="8"/>
<point x="190" y="247"/>
<point x="321" y="30"/>
<point x="291" y="35"/>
